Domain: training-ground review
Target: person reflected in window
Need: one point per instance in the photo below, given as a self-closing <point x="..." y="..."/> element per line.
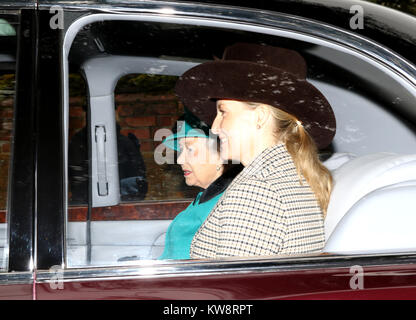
<point x="269" y="118"/>
<point x="131" y="167"/>
<point x="202" y="167"/>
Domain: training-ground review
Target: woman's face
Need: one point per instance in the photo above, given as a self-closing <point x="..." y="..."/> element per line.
<point x="235" y="125"/>
<point x="199" y="161"/>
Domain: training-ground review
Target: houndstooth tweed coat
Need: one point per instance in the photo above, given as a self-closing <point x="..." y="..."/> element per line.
<point x="266" y="210"/>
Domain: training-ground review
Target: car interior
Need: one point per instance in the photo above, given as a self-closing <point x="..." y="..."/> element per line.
<point x="372" y="157"/>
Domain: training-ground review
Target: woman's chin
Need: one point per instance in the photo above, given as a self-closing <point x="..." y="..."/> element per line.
<point x="225" y="156"/>
<point x="190" y="182"/>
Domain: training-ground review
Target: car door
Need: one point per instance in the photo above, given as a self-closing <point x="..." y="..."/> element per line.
<point x="107" y="75"/>
<point x="17" y="56"/>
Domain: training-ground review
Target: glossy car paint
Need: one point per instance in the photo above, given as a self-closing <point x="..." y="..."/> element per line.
<point x="378" y="282"/>
<point x="16" y="292"/>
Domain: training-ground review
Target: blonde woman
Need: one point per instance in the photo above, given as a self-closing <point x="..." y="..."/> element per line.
<point x="270" y="119"/>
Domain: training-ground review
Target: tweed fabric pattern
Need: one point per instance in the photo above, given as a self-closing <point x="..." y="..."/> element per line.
<point x="266" y="210"/>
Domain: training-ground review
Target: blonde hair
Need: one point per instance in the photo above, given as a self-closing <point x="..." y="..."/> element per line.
<point x="304" y="152"/>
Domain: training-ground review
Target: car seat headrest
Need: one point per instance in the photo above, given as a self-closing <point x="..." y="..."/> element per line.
<point x="358" y="177"/>
<point x="383" y="221"/>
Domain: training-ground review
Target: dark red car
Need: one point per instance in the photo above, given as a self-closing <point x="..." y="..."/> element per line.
<point x="86" y="98"/>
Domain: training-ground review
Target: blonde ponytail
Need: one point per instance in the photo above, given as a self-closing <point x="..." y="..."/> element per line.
<point x="304" y="153"/>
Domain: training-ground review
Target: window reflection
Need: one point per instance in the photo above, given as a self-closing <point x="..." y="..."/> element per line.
<point x="8" y="47"/>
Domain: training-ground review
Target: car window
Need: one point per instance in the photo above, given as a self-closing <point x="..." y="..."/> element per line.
<point x="121" y="80"/>
<point x="8" y="28"/>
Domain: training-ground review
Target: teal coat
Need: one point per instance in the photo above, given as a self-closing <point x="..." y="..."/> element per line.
<point x="183" y="228"/>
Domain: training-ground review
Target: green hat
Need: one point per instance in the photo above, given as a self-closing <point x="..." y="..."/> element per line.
<point x="184" y="130"/>
<point x="188" y="125"/>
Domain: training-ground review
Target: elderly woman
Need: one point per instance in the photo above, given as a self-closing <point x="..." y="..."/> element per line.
<point x="202" y="167"/>
<point x="270" y="119"/>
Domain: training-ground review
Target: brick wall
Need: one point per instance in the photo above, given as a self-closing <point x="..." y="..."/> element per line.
<point x="139" y="114"/>
<point x="6" y="120"/>
<point x="143" y="115"/>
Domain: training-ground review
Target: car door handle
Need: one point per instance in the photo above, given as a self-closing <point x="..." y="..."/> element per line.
<point x="102" y="182"/>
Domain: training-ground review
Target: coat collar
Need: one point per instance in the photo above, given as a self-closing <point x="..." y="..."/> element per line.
<point x="270" y="160"/>
<point x="219" y="185"/>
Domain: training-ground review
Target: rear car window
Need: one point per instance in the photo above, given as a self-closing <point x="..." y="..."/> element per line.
<point x="8" y="47"/>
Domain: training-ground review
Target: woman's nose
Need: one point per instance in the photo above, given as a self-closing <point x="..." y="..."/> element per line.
<point x="180" y="159"/>
<point x="215" y="126"/>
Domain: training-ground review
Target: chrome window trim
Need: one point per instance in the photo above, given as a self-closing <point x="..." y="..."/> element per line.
<point x="152" y="269"/>
<point x="17" y="5"/>
<point x="248" y="20"/>
<point x="8" y="278"/>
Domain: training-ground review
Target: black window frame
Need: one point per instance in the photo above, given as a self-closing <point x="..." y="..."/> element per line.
<point x="22" y="170"/>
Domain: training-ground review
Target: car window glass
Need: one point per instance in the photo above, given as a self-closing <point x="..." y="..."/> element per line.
<point x="149" y="57"/>
<point x="8" y="47"/>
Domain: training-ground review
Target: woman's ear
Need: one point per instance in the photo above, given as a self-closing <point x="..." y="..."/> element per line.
<point x="262" y="116"/>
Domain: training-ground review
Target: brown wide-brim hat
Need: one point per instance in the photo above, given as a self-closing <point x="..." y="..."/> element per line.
<point x="263" y="74"/>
